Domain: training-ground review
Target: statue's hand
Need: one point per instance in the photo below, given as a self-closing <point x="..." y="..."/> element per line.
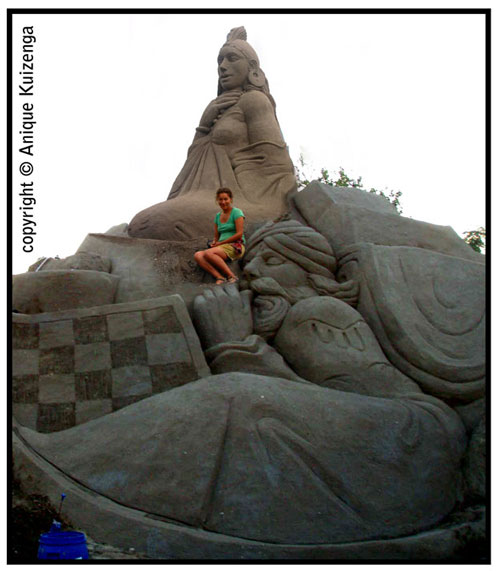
<point x="218" y="106"/>
<point x="223" y="314"/>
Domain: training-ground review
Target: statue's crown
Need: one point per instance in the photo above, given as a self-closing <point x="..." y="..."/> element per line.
<point x="237" y="34"/>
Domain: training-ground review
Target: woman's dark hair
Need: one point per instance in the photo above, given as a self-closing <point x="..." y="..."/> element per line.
<point x="224" y="190"/>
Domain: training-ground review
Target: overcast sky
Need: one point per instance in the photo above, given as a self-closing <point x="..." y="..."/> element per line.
<point x="396" y="99"/>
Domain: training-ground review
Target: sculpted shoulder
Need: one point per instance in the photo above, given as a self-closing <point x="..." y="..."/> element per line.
<point x="255" y="101"/>
<point x="260" y="117"/>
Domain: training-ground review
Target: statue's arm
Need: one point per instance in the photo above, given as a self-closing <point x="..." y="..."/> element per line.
<point x="260" y="118"/>
<point x="250" y="355"/>
<point x="214" y="110"/>
<point x="224" y="322"/>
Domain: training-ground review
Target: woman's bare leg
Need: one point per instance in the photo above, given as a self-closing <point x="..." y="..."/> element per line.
<point x="216" y="257"/>
<point x="201" y="260"/>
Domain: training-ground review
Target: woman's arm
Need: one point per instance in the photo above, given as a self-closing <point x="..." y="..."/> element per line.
<point x="214" y="242"/>
<point x="239" y="223"/>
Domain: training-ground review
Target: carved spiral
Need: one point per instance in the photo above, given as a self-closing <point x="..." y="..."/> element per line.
<point x="269" y="312"/>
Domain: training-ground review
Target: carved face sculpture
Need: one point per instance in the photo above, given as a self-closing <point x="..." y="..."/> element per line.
<point x="323" y="338"/>
<point x="267" y="263"/>
<point x="284" y="258"/>
<point x="233" y="68"/>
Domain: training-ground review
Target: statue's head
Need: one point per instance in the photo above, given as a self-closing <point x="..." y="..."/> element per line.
<point x="239" y="66"/>
<point x="290" y="259"/>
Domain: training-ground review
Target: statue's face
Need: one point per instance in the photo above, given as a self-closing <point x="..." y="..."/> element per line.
<point x="323" y="338"/>
<point x="233" y="68"/>
<point x="266" y="263"/>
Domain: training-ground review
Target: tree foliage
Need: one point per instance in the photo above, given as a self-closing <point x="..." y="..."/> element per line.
<point x="476" y="239"/>
<point x="344" y="180"/>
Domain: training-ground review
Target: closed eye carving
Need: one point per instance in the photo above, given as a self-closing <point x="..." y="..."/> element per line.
<point x="273" y="260"/>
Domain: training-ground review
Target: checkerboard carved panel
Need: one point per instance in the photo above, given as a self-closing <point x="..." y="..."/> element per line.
<point x="72" y="366"/>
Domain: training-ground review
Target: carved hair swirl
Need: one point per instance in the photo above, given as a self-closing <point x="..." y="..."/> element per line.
<point x="269" y="312"/>
<point x="298" y="243"/>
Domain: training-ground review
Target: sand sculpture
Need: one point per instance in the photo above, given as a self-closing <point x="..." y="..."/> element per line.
<point x="238" y="144"/>
<point x="329" y="406"/>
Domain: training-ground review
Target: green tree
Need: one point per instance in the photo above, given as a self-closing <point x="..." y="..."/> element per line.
<point x="344" y="180"/>
<point x="476" y="239"/>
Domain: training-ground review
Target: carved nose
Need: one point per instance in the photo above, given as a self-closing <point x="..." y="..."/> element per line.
<point x="251" y="270"/>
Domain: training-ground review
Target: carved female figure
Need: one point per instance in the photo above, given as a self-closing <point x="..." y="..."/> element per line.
<point x="238" y="144"/>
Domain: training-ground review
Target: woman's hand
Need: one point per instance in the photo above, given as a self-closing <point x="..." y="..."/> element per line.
<point x="217" y="107"/>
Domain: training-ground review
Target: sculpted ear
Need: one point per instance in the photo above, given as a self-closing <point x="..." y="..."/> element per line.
<point x="256" y="76"/>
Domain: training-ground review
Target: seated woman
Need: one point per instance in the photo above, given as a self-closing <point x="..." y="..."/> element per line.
<point x="228" y="242"/>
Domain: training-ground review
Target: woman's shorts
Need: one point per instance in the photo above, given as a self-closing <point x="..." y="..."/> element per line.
<point x="232" y="252"/>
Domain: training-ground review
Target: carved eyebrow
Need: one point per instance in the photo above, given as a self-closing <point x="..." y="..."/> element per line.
<point x="228" y="55"/>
